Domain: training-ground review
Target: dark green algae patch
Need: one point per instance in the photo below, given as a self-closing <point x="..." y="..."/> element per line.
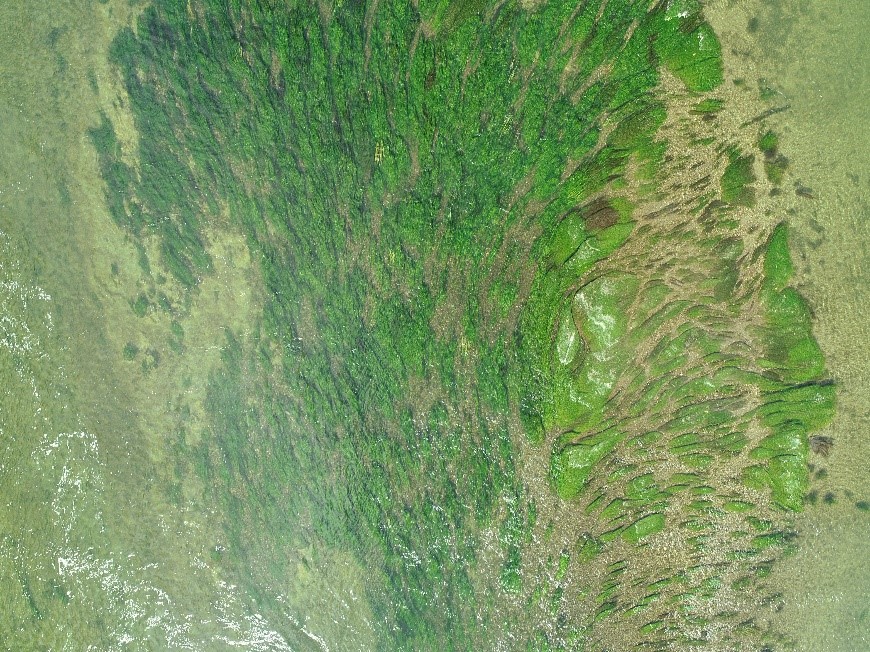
<point x="477" y="251"/>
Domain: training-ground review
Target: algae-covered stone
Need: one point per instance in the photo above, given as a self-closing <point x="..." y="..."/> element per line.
<point x="694" y="55"/>
<point x="644" y="527"/>
<point x="572" y="465"/>
<point x="567" y="339"/>
<point x="737" y="180"/>
<point x="567" y="238"/>
<point x="778" y="268"/>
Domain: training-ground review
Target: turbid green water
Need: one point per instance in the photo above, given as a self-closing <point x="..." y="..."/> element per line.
<point x="394" y="327"/>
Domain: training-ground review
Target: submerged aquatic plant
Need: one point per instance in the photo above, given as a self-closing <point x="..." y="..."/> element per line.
<point x="517" y="358"/>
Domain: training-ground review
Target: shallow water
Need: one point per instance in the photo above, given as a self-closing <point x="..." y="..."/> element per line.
<point x="816" y="57"/>
<point x="101" y="540"/>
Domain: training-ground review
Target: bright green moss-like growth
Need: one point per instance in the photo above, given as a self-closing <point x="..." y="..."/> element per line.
<point x="572" y="466"/>
<point x="778" y="267"/>
<point x="769" y="143"/>
<point x="793" y="354"/>
<point x="709" y="106"/>
<point x="644" y="527"/>
<point x="802" y="400"/>
<point x="689" y="47"/>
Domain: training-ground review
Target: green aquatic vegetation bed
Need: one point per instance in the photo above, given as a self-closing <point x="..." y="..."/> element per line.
<point x="515" y="356"/>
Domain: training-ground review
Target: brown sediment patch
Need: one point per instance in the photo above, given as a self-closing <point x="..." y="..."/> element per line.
<point x="368" y="24"/>
<point x="821" y="445"/>
<point x="599" y="214"/>
<point x="414" y="154"/>
<point x="412" y="50"/>
<point x="446" y="319"/>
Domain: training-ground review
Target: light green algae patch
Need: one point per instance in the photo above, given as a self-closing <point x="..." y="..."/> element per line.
<point x="644" y="527"/>
<point x="689" y="48"/>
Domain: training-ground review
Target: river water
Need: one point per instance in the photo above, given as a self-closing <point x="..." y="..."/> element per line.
<point x="81" y="472"/>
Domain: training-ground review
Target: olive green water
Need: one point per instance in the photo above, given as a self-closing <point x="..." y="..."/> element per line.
<point x="120" y="531"/>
